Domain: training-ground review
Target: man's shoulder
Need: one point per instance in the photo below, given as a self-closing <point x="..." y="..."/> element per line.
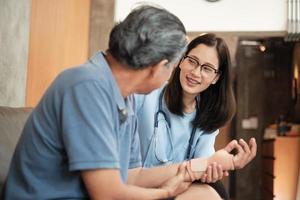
<point x="82" y="75"/>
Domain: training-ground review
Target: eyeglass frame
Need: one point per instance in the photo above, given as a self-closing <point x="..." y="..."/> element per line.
<point x="201" y="65"/>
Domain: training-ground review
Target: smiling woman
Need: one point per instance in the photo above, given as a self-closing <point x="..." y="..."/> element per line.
<point x="189" y="110"/>
<point x="196" y="100"/>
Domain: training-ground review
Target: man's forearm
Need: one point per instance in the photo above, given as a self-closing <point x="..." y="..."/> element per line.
<point x="152" y="177"/>
<point x="156" y="176"/>
<point x="107" y="184"/>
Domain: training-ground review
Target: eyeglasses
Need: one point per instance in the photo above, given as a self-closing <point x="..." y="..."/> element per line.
<point x="205" y="70"/>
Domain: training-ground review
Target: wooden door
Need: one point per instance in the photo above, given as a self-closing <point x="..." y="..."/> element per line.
<point x="59" y="37"/>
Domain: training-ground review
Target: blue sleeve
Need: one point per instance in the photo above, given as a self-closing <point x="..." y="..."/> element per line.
<point x="205" y="146"/>
<point x="135" y="152"/>
<point x="88" y="129"/>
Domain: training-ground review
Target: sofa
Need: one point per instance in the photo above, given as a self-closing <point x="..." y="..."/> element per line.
<point x="12" y="121"/>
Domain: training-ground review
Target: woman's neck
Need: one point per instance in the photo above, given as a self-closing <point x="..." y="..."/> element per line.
<point x="189" y="103"/>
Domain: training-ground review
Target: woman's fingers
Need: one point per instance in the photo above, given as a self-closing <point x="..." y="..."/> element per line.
<point x="230" y="146"/>
<point x="253" y="148"/>
<point x="239" y="158"/>
<point x="247" y="154"/>
<point x="245" y="146"/>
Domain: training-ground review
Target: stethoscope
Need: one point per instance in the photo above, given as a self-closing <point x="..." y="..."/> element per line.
<point x="156" y="121"/>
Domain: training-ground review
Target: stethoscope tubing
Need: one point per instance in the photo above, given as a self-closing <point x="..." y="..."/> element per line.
<point x="160" y="111"/>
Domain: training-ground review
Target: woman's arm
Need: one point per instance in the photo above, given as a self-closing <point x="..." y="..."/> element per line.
<point x="205" y="148"/>
<point x="246" y="153"/>
<point x="154" y="177"/>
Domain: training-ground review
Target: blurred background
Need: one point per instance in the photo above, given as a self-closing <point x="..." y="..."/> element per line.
<point x="40" y="38"/>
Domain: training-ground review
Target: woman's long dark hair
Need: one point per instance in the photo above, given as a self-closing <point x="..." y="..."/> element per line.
<point x="217" y="103"/>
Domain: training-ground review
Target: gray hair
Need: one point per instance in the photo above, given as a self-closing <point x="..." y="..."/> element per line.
<point x="147" y="36"/>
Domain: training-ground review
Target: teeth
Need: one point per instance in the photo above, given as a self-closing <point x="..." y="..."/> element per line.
<point x="192" y="81"/>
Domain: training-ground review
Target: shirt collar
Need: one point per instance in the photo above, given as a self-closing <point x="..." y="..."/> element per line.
<point x="124" y="105"/>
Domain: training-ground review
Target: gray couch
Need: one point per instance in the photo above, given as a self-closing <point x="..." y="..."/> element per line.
<point x="12" y="121"/>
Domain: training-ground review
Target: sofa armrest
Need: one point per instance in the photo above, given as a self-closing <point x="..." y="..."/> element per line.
<point x="12" y="121"/>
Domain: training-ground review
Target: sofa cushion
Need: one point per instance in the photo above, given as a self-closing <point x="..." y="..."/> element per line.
<point x="12" y="121"/>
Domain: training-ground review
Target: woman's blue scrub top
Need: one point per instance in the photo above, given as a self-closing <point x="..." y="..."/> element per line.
<point x="168" y="143"/>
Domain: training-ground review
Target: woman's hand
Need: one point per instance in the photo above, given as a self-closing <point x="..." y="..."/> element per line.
<point x="245" y="153"/>
<point x="222" y="161"/>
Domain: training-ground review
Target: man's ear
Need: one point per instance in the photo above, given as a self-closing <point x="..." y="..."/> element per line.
<point x="179" y="63"/>
<point x="156" y="69"/>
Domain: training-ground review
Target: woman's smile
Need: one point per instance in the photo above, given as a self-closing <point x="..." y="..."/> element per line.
<point x="191" y="81"/>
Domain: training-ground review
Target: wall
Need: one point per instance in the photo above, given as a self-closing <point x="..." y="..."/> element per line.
<point x="52" y="43"/>
<point x="59" y="39"/>
<point x="101" y="22"/>
<point x="263" y="90"/>
<point x="14" y="39"/>
<point x="296" y="62"/>
<point x="225" y="15"/>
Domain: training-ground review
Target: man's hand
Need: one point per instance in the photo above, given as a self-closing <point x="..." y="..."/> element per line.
<point x="213" y="173"/>
<point x="211" y="169"/>
<point x="177" y="185"/>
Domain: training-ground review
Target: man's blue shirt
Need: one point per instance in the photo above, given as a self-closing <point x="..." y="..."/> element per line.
<point x="76" y="126"/>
